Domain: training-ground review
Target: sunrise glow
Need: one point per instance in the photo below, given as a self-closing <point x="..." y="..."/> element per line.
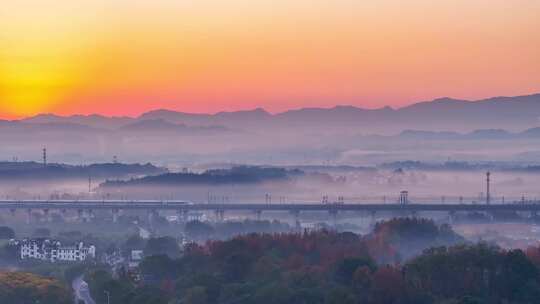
<point x="122" y="57"/>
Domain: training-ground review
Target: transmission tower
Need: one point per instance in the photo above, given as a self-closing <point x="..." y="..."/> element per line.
<point x="44" y="157"/>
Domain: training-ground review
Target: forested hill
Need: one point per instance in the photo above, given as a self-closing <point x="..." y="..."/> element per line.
<point x="235" y="175"/>
<point x="34" y="170"/>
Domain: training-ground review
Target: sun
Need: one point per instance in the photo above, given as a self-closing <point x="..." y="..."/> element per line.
<point x="34" y="84"/>
<point x="24" y="105"/>
<point x="38" y="72"/>
<point x="24" y="94"/>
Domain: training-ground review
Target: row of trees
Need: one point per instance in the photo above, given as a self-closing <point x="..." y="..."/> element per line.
<point x="330" y="267"/>
<point x="403" y="261"/>
<point x="200" y="231"/>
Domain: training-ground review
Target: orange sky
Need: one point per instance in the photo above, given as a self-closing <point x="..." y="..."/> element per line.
<point x="120" y="57"/>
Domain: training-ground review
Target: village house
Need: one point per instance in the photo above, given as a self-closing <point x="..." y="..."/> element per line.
<point x="53" y="250"/>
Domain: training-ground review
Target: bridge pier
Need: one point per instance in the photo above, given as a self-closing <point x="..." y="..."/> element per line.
<point x="84" y="216"/>
<point x="115" y="215"/>
<point x="373" y="219"/>
<point x="80" y="215"/>
<point x="296" y="214"/>
<point x="47" y="215"/>
<point x="333" y="214"/>
<point x="179" y="217"/>
<point x="197" y="216"/>
<point x="490" y="216"/>
<point x="28" y="216"/>
<point x="451" y="216"/>
<point x="258" y="214"/>
<point x="183" y="216"/>
<point x="151" y="215"/>
<point x="89" y="215"/>
<point x="219" y="215"/>
<point x="13" y="212"/>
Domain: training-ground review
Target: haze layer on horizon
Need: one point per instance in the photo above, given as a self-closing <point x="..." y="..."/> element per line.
<point x="120" y="57"/>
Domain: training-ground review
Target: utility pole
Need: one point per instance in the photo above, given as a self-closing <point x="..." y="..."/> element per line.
<point x="108" y="296"/>
<point x="488" y="194"/>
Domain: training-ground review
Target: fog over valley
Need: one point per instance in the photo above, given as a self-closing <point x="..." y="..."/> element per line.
<point x="314" y="206"/>
<point x="498" y="129"/>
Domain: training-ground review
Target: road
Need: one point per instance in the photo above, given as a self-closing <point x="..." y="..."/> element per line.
<point x="82" y="293"/>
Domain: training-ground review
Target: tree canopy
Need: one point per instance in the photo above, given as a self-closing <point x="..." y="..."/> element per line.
<point x="330" y="267"/>
<point x="26" y="288"/>
<point x="6" y="233"/>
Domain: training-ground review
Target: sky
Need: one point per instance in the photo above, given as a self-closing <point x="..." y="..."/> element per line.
<point x="125" y="57"/>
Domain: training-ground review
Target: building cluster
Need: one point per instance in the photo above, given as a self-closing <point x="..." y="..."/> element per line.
<point x="125" y="265"/>
<point x="53" y="251"/>
<point x="116" y="260"/>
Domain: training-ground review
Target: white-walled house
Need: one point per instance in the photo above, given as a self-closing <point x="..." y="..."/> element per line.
<point x="53" y="251"/>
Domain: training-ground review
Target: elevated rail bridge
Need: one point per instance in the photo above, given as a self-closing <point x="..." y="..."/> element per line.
<point x="184" y="205"/>
<point x="183" y="208"/>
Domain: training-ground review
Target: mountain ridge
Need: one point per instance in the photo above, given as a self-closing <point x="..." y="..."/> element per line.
<point x="261" y="109"/>
<point x="513" y="113"/>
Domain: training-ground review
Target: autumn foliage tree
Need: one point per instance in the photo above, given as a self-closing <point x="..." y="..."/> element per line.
<point x="20" y="287"/>
<point x="404" y="261"/>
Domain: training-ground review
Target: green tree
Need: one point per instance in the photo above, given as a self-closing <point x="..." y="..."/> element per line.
<point x="340" y="296"/>
<point x="41" y="233"/>
<point x="97" y="280"/>
<point x="346" y="268"/>
<point x="162" y="245"/>
<point x="134" y="242"/>
<point x="198" y="230"/>
<point x="6" y="233"/>
<point x="158" y="267"/>
<point x="146" y="295"/>
<point x="195" y="295"/>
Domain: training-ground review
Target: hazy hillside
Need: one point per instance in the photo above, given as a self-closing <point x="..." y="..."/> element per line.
<point x="513" y="113"/>
<point x="98" y="121"/>
<point x="505" y="128"/>
<point x="164" y="126"/>
<point x="235" y="175"/>
<point x="37" y="171"/>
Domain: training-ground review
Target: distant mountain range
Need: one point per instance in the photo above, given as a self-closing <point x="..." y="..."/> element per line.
<point x="346" y="134"/>
<point x="510" y="113"/>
